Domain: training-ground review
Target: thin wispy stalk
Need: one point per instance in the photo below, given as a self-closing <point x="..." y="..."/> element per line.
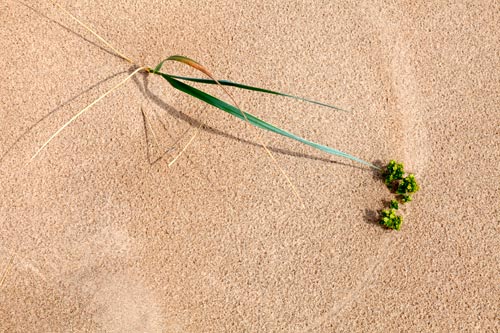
<point x="120" y="54"/>
<point x="76" y="116"/>
<point x="185" y="147"/>
<point x="6" y="271"/>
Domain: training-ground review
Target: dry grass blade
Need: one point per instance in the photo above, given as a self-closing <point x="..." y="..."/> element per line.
<point x="6" y="271"/>
<point x="120" y="54"/>
<point x="83" y="111"/>
<point x="185" y="147"/>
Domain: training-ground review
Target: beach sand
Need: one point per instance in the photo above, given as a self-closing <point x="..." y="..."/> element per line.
<point x="99" y="234"/>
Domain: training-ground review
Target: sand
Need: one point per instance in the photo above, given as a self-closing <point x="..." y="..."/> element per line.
<point x="106" y="237"/>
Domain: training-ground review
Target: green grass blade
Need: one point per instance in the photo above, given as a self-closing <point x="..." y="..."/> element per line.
<point x="209" y="99"/>
<point x="247" y="87"/>
<point x="184" y="60"/>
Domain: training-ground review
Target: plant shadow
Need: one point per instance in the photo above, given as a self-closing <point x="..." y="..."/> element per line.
<point x="148" y="94"/>
<point x="67" y="102"/>
<point x="166" y="107"/>
<point x="371" y="216"/>
<point x="30" y="128"/>
<point x="66" y="28"/>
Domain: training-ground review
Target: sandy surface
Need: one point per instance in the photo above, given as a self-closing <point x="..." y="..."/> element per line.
<point x="102" y="239"/>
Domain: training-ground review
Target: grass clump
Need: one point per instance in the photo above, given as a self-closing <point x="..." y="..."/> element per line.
<point x="394" y="174"/>
<point x="403" y="187"/>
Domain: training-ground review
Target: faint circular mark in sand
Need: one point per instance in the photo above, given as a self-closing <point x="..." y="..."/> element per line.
<point x="123" y="305"/>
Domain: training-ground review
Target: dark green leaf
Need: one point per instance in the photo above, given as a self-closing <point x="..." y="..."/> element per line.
<point x="243" y="86"/>
<point x="254" y="120"/>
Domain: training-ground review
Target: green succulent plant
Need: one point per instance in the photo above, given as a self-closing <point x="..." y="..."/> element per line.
<point x="394" y="171"/>
<point x="407" y="185"/>
<point x="402" y="186"/>
<point x="406" y="198"/>
<point x="390" y="219"/>
<point x="394" y="204"/>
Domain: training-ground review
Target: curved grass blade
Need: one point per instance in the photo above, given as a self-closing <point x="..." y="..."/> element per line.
<point x="247" y="87"/>
<point x="205" y="71"/>
<point x="184" y="60"/>
<point x="209" y="99"/>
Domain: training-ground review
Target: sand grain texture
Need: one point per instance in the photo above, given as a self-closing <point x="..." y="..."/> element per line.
<point x="102" y="240"/>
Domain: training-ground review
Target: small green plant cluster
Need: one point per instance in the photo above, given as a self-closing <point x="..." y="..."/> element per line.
<point x="393" y="172"/>
<point x="403" y="186"/>
<point x="391" y="219"/>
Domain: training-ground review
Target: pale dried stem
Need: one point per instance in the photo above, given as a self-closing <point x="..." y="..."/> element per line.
<point x="6" y="271"/>
<point x="76" y="116"/>
<point x="185" y="147"/>
<point x="123" y="56"/>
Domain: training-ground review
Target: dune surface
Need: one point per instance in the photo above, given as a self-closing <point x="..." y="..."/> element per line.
<point x="100" y="234"/>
